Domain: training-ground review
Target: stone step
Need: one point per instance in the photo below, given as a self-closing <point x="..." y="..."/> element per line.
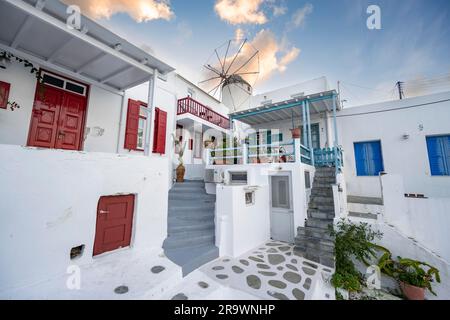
<point x="299" y="239"/>
<point x="190" y="234"/>
<point x="322" y="199"/>
<point x="179" y="225"/>
<point x="191" y="259"/>
<point x="326" y="174"/>
<point x="315" y="233"/>
<point x="191" y="196"/>
<point x="330" y="180"/>
<point x="322" y="192"/>
<point x="363" y="215"/>
<point x="322" y="207"/>
<point x="177" y="242"/>
<point x="320" y="215"/>
<point x="324" y="259"/>
<point x="317" y="184"/>
<point x="319" y="223"/>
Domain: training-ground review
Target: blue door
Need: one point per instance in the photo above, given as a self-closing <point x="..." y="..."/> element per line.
<point x="439" y="155"/>
<point x="368" y="158"/>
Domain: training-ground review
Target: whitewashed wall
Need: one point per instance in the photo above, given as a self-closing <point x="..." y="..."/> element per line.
<point x="408" y="158"/>
<point x="243" y="231"/>
<point x="424" y="220"/>
<point x="43" y="215"/>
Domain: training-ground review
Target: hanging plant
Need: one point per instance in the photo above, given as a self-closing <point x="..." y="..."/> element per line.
<point x="6" y="58"/>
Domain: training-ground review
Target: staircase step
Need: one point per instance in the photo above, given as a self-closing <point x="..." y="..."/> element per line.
<point x="363" y="215"/>
<point x="193" y="196"/>
<point x="322" y="192"/>
<point x="326" y="260"/>
<point x="179" y="226"/>
<point x="319" y="223"/>
<point x="177" y="242"/>
<point x="322" y="207"/>
<point x="190" y="234"/>
<point x="324" y="174"/>
<point x="320" y="215"/>
<point x="322" y="199"/>
<point x="315" y="233"/>
<point x="191" y="259"/>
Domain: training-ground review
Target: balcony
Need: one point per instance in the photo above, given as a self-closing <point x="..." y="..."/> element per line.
<point x="190" y="106"/>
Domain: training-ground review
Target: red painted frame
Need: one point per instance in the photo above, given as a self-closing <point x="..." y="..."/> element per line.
<point x="88" y="91"/>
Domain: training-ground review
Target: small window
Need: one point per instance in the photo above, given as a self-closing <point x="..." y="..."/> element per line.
<point x="250" y="198"/>
<point x="368" y="158"/>
<point x="76" y="252"/>
<point x="307" y="180"/>
<point x="56" y="82"/>
<point x="439" y="155"/>
<point x="238" y="178"/>
<point x="74" y="88"/>
<point x="277" y="137"/>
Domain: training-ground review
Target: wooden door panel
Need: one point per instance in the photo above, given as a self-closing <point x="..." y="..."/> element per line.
<point x="44" y="120"/>
<point x="71" y="121"/>
<point x="114" y="223"/>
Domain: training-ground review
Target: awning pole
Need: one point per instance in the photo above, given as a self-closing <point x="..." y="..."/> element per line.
<point x="304" y="137"/>
<point x="310" y="146"/>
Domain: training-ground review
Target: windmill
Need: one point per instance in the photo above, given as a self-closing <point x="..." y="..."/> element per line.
<point x="231" y="72"/>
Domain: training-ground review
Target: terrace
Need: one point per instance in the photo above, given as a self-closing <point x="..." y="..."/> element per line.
<point x="190" y="106"/>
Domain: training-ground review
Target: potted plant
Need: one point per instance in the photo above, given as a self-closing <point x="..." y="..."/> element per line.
<point x="414" y="279"/>
<point x="296" y="133"/>
<point x="181" y="170"/>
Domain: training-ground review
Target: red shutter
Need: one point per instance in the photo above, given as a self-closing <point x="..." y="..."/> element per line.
<point x="4" y="94"/>
<point x="159" y="139"/>
<point x="131" y="131"/>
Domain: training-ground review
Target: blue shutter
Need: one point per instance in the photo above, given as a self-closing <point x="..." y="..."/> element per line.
<point x="439" y="155"/>
<point x="360" y="160"/>
<point x="369" y="159"/>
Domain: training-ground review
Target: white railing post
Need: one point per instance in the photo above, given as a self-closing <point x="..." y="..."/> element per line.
<point x="298" y="151"/>
<point x="208" y="156"/>
<point x="245" y="153"/>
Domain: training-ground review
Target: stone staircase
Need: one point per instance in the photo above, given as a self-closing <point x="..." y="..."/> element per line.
<point x="314" y="240"/>
<point x="190" y="242"/>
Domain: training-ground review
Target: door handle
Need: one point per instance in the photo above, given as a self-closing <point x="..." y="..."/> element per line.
<point x="103" y="211"/>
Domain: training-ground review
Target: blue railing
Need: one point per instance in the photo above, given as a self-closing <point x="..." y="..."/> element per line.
<point x="328" y="157"/>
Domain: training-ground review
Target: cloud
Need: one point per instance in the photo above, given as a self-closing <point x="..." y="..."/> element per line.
<point x="299" y="16"/>
<point x="241" y="11"/>
<point x="139" y="10"/>
<point x="273" y="56"/>
<point x="279" y="10"/>
<point x="239" y="34"/>
<point x="184" y="33"/>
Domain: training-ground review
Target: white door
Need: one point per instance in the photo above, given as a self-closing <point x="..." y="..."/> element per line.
<point x="281" y="213"/>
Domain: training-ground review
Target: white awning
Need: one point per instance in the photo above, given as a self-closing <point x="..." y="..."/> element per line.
<point x="288" y="109"/>
<point x="36" y="30"/>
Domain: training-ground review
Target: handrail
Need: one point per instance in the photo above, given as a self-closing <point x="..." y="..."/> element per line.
<point x="191" y="106"/>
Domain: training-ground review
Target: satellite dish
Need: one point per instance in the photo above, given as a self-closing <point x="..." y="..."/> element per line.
<point x="231" y="73"/>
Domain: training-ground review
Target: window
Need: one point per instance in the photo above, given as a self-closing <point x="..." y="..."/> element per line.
<point x="368" y="158"/>
<point x="277" y="137"/>
<point x="315" y="135"/>
<point x="250" y="198"/>
<point x="142" y="128"/>
<point x="439" y="155"/>
<point x="307" y="180"/>
<point x="135" y="132"/>
<point x="238" y="178"/>
<point x="63" y="83"/>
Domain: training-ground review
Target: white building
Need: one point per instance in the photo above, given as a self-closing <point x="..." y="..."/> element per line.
<point x="87" y="162"/>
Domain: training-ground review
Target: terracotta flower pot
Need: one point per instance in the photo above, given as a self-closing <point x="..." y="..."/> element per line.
<point x="180" y="173"/>
<point x="412" y="292"/>
<point x="296" y="133"/>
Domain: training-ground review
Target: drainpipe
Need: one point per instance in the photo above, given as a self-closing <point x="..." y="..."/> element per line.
<point x="150" y="108"/>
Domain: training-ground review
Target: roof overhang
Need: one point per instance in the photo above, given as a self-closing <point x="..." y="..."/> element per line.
<point x="36" y="30"/>
<point x="288" y="109"/>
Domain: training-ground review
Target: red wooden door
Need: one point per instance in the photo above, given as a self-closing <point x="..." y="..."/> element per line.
<point x="71" y="119"/>
<point x="114" y="223"/>
<point x="57" y="120"/>
<point x="45" y="117"/>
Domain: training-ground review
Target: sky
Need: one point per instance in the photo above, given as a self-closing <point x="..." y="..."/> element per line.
<point x="297" y="40"/>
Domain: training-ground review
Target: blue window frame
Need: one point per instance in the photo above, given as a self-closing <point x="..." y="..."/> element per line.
<point x="439" y="155"/>
<point x="369" y="158"/>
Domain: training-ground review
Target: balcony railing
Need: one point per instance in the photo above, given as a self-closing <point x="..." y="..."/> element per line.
<point x="191" y="106"/>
